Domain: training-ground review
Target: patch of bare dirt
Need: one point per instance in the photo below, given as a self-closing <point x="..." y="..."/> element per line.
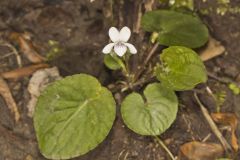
<point x="81" y="27"/>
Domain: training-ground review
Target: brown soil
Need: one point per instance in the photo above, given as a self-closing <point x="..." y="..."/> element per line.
<point x="81" y="27"/>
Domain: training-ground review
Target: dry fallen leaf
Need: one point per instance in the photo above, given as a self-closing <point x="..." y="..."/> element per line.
<point x="231" y="120"/>
<point x="22" y="72"/>
<point x="27" y="48"/>
<point x="7" y="95"/>
<point x="200" y="151"/>
<point x="214" y="48"/>
<point x="38" y="82"/>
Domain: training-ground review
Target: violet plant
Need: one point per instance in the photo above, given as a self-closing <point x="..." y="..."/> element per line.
<point x="75" y="114"/>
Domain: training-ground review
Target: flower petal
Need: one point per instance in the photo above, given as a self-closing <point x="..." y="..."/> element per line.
<point x="131" y="48"/>
<point x="125" y="34"/>
<point x="107" y="49"/>
<point x="120" y="50"/>
<point x="114" y="34"/>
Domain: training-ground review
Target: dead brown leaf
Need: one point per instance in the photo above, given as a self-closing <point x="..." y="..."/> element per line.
<point x="214" y="48"/>
<point x="38" y="82"/>
<point x="22" y="72"/>
<point x="200" y="151"/>
<point x="7" y="95"/>
<point x="27" y="48"/>
<point x="231" y="120"/>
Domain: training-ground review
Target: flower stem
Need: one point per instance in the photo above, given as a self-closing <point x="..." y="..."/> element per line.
<point x="121" y="64"/>
<point x="126" y="59"/>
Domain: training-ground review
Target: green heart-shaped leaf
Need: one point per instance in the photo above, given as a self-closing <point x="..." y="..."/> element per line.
<point x="181" y="69"/>
<point x="153" y="116"/>
<point x="176" y="28"/>
<point x="73" y="116"/>
<point x="112" y="62"/>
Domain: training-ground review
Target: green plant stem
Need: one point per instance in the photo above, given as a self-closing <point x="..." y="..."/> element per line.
<point x="125" y="70"/>
<point x="122" y="64"/>
<point x="165" y="147"/>
<point x="126" y="62"/>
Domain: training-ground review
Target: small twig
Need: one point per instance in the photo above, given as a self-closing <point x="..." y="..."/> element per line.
<point x="6" y="55"/>
<point x="121" y="153"/>
<point x="149" y="56"/>
<point x="207" y="137"/>
<point x="210" y="92"/>
<point x="222" y="80"/>
<point x="19" y="61"/>
<point x="212" y="125"/>
<point x="165" y="148"/>
<point x="143" y="81"/>
<point x="137" y="22"/>
<point x="140" y="82"/>
<point x="126" y="155"/>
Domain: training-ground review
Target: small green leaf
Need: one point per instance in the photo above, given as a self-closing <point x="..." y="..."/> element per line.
<point x="234" y="88"/>
<point x="181" y="69"/>
<point x="55" y="50"/>
<point x="73" y="116"/>
<point x="154" y="37"/>
<point x="155" y="115"/>
<point x="113" y="62"/>
<point x="175" y="28"/>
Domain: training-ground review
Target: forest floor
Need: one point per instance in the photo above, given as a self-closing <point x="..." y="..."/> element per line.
<point x="80" y="28"/>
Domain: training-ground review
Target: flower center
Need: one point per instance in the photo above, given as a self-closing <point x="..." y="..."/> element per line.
<point x="120" y="44"/>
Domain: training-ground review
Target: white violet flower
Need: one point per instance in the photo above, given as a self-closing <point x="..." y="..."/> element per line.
<point x="119" y="40"/>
